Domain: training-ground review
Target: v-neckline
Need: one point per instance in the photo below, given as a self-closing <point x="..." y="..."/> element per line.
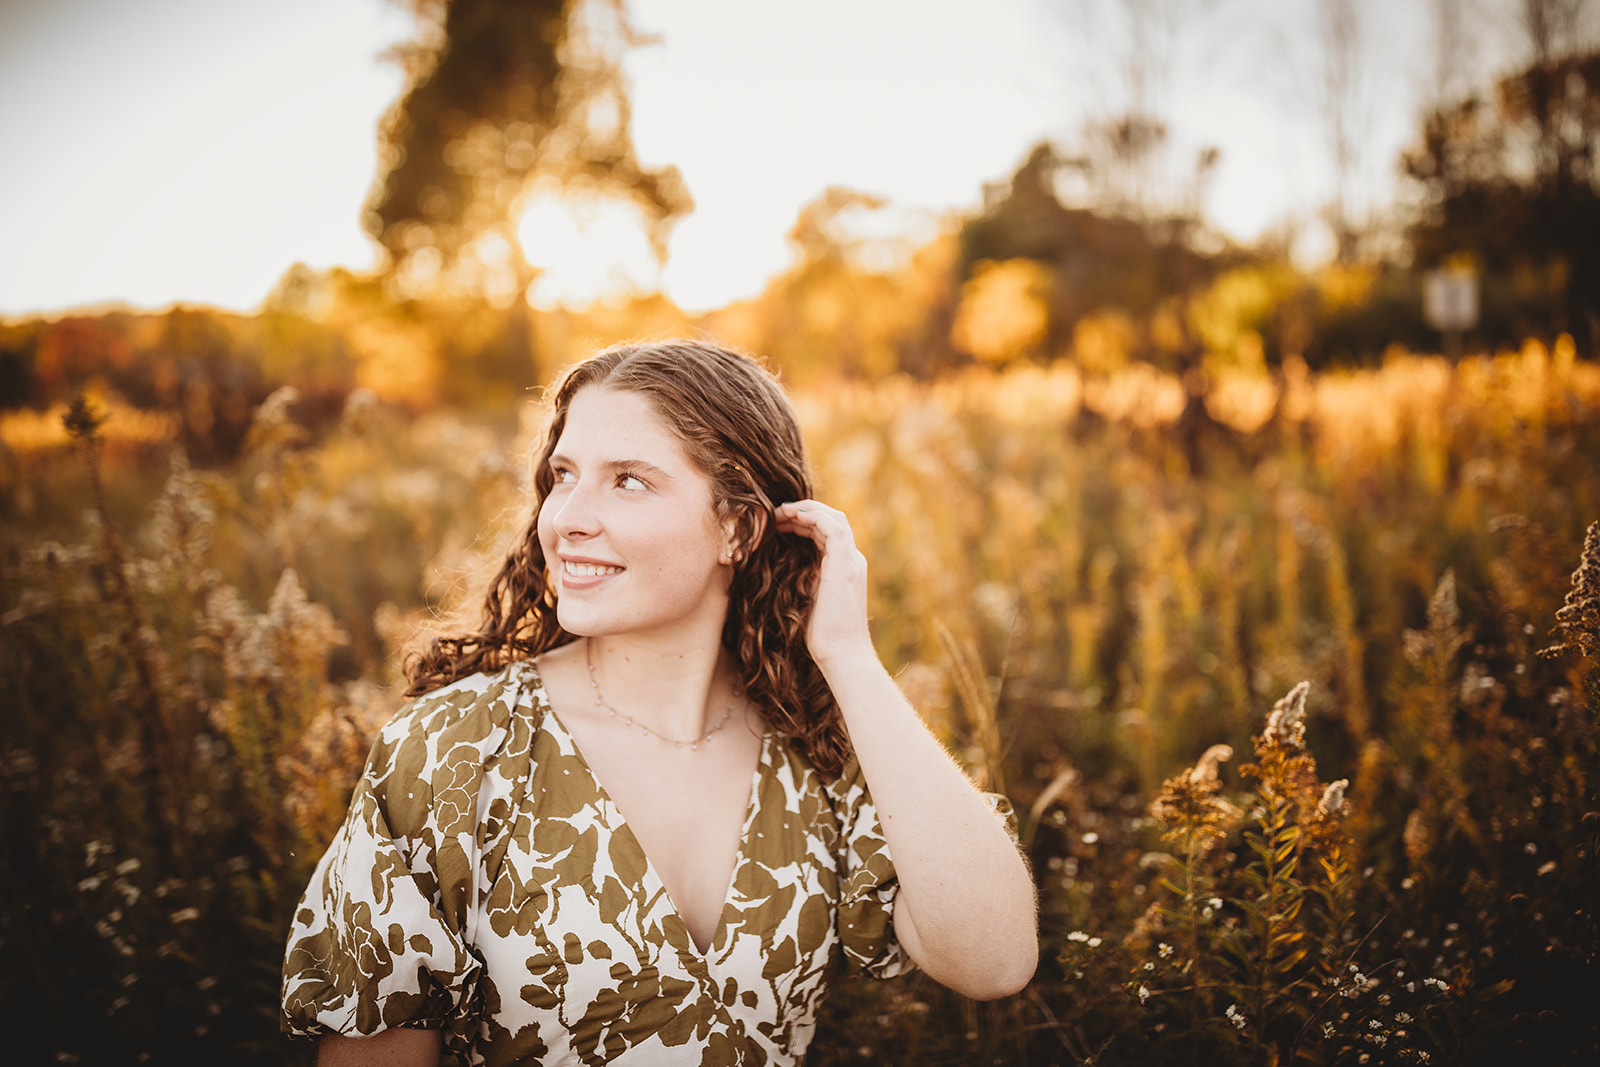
<point x="653" y="878"/>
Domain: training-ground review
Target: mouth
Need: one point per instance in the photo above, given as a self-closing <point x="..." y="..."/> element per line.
<point x="588" y="570"/>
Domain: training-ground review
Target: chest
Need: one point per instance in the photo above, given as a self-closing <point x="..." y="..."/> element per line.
<point x="576" y="914"/>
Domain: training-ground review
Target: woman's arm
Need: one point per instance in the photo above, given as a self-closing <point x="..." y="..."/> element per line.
<point x="387" y="1048"/>
<point x="965" y="911"/>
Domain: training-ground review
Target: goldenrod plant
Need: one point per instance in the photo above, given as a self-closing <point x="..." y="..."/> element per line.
<point x="1395" y="861"/>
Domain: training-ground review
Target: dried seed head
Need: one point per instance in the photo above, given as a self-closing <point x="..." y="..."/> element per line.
<point x="1578" y="620"/>
<point x="1286" y="725"/>
<point x="1205" y="770"/>
<point x="1332" y="802"/>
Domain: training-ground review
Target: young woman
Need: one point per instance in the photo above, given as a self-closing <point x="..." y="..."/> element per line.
<point x="639" y="815"/>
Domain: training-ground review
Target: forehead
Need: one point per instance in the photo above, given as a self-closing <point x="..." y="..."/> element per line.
<point x="616" y="424"/>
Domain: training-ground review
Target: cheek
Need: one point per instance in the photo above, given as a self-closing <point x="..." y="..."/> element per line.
<point x="544" y="526"/>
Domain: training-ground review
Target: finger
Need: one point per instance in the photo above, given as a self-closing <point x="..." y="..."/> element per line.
<point x="811" y="513"/>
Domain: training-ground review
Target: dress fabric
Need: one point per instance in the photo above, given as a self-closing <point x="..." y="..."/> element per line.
<point x="484" y="884"/>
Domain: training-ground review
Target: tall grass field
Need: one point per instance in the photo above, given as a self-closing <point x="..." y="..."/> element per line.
<point x="1298" y="703"/>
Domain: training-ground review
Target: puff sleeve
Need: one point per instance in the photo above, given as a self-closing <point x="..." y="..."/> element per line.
<point x="383" y="934"/>
<point x="870" y="886"/>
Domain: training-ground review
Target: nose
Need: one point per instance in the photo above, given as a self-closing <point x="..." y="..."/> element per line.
<point x="575" y="516"/>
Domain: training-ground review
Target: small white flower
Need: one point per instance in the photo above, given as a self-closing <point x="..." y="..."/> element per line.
<point x="1077" y="935"/>
<point x="1094" y="942"/>
<point x="1235" y="1016"/>
<point x="1144" y="993"/>
<point x="1164" y="949"/>
<point x="1149" y="966"/>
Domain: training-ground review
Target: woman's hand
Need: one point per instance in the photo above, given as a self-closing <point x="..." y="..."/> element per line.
<point x="837" y="628"/>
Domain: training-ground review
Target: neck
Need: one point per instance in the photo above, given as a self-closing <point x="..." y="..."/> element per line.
<point x="678" y="693"/>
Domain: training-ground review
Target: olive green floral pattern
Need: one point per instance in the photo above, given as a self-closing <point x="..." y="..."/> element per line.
<point x="484" y="884"/>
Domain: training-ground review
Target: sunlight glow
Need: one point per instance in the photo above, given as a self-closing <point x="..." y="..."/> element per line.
<point x="585" y="250"/>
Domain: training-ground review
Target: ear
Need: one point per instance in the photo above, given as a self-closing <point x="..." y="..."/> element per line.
<point x="742" y="531"/>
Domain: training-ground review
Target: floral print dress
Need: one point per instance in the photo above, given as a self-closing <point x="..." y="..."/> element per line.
<point x="484" y="884"/>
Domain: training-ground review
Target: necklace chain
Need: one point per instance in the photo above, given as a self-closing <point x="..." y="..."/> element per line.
<point x="627" y="720"/>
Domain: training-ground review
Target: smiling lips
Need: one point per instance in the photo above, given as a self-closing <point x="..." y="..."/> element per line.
<point x="589" y="570"/>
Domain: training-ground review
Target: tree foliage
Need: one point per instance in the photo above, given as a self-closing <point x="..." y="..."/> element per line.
<point x="1511" y="180"/>
<point x="501" y="94"/>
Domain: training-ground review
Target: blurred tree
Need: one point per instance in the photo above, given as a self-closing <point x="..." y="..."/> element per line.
<point x="1095" y="260"/>
<point x="1511" y="182"/>
<point x="501" y="93"/>
<point x="851" y="304"/>
<point x="1003" y="315"/>
<point x="504" y="96"/>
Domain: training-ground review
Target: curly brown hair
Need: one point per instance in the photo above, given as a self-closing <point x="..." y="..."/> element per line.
<point x="741" y="432"/>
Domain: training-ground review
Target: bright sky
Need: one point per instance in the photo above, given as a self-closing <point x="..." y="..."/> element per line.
<point x="192" y="150"/>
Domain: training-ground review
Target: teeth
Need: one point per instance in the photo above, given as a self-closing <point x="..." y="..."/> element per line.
<point x="590" y="570"/>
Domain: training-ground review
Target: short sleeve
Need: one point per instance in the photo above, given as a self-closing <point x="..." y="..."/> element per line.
<point x="866" y="903"/>
<point x="381" y="937"/>
<point x="870" y="886"/>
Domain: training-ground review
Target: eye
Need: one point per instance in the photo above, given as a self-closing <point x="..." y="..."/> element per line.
<point x="563" y="476"/>
<point x="631" y="482"/>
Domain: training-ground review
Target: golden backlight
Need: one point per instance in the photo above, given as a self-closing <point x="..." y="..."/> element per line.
<point x="585" y="249"/>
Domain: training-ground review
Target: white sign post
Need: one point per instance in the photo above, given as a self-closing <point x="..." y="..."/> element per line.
<point x="1450" y="305"/>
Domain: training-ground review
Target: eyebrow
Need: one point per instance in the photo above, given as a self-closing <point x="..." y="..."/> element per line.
<point x="622" y="466"/>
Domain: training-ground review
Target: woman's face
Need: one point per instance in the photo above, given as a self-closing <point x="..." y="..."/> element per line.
<point x="628" y="530"/>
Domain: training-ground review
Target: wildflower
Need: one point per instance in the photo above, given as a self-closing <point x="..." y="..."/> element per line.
<point x="1546" y="867"/>
<point x="128" y="866"/>
<point x="1437" y="983"/>
<point x="1235" y="1016"/>
<point x="1332" y="802"/>
<point x="1373" y="1024"/>
<point x="1164" y="949"/>
<point x="1215" y="903"/>
<point x="1144" y="993"/>
<point x="1530" y="848"/>
<point x="183" y="915"/>
<point x="1094" y="942"/>
<point x="1286" y="725"/>
<point x="1402" y="1017"/>
<point x="1327" y="1029"/>
<point x="1149" y="966"/>
<point x="1205" y="769"/>
<point x="1077" y="935"/>
<point x="1090" y="838"/>
<point x="1578" y="620"/>
<point x="90" y="884"/>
